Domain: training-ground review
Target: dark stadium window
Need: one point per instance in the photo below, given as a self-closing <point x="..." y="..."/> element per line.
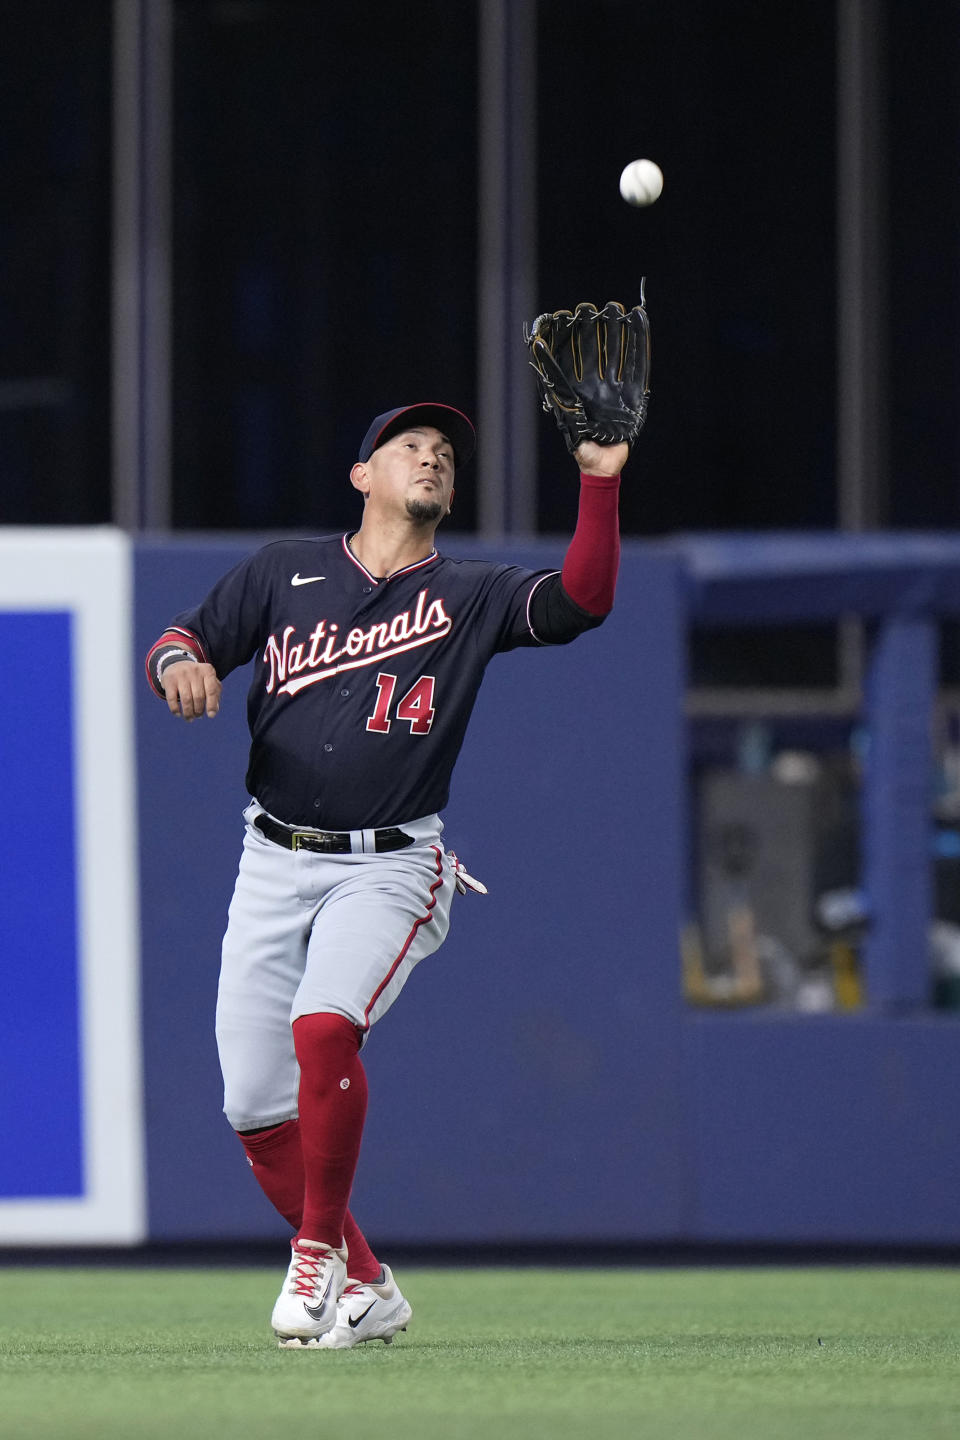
<point x="739" y="265"/>
<point x="324" y="246"/>
<point x="55" y="265"/>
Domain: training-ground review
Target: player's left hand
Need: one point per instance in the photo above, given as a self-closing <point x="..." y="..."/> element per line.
<point x="595" y="459"/>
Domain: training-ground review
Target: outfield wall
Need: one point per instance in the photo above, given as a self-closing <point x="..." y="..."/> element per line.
<point x="541" y="1078"/>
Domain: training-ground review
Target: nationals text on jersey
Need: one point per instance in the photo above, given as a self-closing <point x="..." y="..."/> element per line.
<point x="321" y="657"/>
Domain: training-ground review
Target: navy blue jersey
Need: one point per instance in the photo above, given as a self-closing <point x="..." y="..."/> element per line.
<point x="362" y="689"/>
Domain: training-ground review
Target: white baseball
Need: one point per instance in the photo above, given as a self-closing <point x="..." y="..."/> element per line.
<point x="641" y="182"/>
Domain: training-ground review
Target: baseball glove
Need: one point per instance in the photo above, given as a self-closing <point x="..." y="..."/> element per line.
<point x="593" y="370"/>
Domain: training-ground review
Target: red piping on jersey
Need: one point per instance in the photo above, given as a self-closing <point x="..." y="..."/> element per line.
<point x="409" y="940"/>
<point x="378" y="580"/>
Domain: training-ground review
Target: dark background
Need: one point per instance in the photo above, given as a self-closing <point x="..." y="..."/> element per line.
<point x="325" y="209"/>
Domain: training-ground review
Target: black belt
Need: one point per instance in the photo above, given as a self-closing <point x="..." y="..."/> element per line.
<point x="328" y="842"/>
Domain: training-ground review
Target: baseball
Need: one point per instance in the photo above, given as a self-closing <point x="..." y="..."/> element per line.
<point x="641" y="182"/>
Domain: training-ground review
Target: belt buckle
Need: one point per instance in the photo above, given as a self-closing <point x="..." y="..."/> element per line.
<point x="317" y="842"/>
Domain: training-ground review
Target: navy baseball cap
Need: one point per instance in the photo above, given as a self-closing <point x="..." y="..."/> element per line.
<point x="452" y="422"/>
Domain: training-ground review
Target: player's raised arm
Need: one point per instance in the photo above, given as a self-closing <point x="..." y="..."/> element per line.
<point x="593" y="374"/>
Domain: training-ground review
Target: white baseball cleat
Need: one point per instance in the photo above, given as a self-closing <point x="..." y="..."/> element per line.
<point x="367" y="1312"/>
<point x="306" y="1307"/>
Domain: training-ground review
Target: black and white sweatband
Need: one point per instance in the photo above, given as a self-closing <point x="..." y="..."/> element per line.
<point x="171" y="656"/>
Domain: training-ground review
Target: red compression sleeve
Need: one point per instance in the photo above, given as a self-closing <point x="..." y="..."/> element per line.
<point x="589" y="573"/>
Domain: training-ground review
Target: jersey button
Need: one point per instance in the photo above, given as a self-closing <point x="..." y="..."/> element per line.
<point x="368" y="589"/>
<point x="344" y="693"/>
<point x="328" y="747"/>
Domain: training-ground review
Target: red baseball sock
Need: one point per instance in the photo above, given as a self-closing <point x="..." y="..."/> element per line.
<point x="277" y="1162"/>
<point x="362" y="1264"/>
<point x="333" y="1107"/>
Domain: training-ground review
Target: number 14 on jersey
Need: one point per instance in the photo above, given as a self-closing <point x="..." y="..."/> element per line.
<point x="416" y="707"/>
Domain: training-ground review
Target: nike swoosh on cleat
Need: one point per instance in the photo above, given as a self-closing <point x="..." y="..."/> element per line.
<point x="316" y="1311"/>
<point x="353" y="1323"/>
<point x="299" y="579"/>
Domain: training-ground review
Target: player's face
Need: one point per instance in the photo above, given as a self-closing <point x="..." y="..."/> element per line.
<point x="412" y="472"/>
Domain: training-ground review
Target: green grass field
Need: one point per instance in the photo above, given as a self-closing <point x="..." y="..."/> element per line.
<point x="724" y="1354"/>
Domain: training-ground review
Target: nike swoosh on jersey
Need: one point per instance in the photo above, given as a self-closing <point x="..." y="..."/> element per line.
<point x="299" y="579"/>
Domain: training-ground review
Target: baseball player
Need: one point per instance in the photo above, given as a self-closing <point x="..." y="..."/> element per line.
<point x="368" y="650"/>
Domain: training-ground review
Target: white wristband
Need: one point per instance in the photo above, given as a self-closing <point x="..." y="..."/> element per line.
<point x="170" y="657"/>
